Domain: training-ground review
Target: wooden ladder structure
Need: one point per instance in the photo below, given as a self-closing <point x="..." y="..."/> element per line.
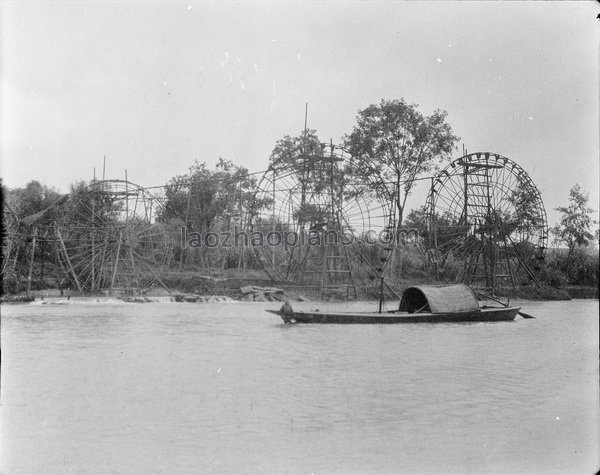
<point x="336" y="273"/>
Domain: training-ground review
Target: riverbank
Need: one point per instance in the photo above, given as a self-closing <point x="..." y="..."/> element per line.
<point x="549" y="293"/>
<point x="208" y="289"/>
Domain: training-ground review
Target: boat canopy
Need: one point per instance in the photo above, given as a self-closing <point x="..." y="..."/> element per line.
<point x="438" y="299"/>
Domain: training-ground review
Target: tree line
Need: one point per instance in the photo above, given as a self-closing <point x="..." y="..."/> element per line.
<point x="392" y="144"/>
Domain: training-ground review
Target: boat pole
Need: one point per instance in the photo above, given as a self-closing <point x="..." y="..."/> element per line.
<point x="31" y="261"/>
<point x="380" y="290"/>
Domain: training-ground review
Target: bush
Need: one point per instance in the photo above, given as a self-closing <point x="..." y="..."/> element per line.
<point x="553" y="277"/>
<point x="581" y="268"/>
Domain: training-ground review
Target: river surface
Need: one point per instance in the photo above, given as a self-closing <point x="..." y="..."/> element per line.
<point x="226" y="388"/>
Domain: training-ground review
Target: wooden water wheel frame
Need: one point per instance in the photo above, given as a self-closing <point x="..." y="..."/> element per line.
<point x="109" y="239"/>
<point x="487" y="222"/>
<point x="307" y="192"/>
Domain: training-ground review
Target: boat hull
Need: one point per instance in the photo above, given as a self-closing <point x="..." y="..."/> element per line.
<point x="481" y="315"/>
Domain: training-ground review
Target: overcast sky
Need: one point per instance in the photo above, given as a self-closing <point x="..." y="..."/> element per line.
<point x="157" y="85"/>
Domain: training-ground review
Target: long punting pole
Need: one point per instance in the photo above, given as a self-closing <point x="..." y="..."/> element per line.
<point x="381" y="292"/>
<point x="93" y="238"/>
<point x="273" y="217"/>
<point x="126" y="200"/>
<point x="303" y="191"/>
<point x="187" y="213"/>
<point x="303" y="196"/>
<point x="31" y="261"/>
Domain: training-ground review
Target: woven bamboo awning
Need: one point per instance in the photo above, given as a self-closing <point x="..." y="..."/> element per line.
<point x="438" y="299"/>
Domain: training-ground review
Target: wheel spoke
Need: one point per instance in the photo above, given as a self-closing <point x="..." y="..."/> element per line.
<point x="490" y="195"/>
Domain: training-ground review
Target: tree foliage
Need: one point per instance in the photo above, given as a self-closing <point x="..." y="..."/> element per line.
<point x="23" y="207"/>
<point x="205" y="198"/>
<point x="211" y="200"/>
<point x="304" y="157"/>
<point x="418" y="220"/>
<point x="573" y="229"/>
<point x="392" y="144"/>
<point x="87" y="201"/>
<point x="296" y="152"/>
<point x="525" y="218"/>
<point x="31" y="199"/>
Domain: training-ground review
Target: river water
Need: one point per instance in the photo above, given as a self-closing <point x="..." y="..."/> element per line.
<point x="226" y="388"/>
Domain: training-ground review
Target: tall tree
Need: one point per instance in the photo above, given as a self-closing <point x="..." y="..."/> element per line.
<point x="296" y="152"/>
<point x="208" y="197"/>
<point x="26" y="208"/>
<point x="31" y="199"/>
<point x="525" y="217"/>
<point x="192" y="198"/>
<point x="576" y="221"/>
<point x="392" y="144"/>
<point x="208" y="200"/>
<point x="304" y="158"/>
<point x="85" y="202"/>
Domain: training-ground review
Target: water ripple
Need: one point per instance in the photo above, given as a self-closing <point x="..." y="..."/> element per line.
<point x="185" y="388"/>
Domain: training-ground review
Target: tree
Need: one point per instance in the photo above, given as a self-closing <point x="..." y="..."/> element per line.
<point x="193" y="198"/>
<point x="86" y="201"/>
<point x="207" y="197"/>
<point x="31" y="199"/>
<point x="28" y="211"/>
<point x="392" y="144"/>
<point x="205" y="200"/>
<point x="304" y="157"/>
<point x="574" y="226"/>
<point x="296" y="152"/>
<point x="418" y="220"/>
<point x="526" y="219"/>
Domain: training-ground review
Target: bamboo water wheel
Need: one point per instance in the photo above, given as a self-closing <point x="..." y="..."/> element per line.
<point x="108" y="238"/>
<point x="309" y="196"/>
<point x="487" y="222"/>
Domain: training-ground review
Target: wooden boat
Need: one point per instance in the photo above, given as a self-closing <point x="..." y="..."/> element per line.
<point x="419" y="304"/>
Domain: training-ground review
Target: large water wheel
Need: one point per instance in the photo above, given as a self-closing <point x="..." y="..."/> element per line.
<point x="108" y="237"/>
<point x="308" y="195"/>
<point x="487" y="222"/>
